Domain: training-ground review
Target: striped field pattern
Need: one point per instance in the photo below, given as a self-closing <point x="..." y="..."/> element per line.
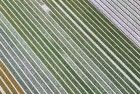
<point x="125" y="14"/>
<point x="65" y="47"/>
<point x="8" y="83"/>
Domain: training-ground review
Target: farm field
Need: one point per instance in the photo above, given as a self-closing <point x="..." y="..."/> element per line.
<point x="65" y="46"/>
